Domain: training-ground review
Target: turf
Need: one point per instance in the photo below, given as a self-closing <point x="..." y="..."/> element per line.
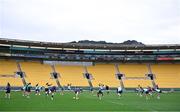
<point x="89" y="102"/>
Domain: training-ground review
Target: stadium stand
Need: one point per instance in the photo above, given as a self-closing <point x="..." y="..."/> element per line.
<point x="132" y="60"/>
<point x="37" y="72"/>
<point x="135" y="70"/>
<point x="103" y="74"/>
<point x="7" y="68"/>
<point x="167" y="75"/>
<point x="71" y="75"/>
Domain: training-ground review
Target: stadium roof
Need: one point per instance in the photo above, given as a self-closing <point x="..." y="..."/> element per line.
<point x="87" y="46"/>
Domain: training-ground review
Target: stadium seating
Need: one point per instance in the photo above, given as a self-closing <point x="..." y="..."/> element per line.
<point x="37" y="73"/>
<point x="8" y="67"/>
<point x="167" y="75"/>
<point x="135" y="70"/>
<point x="71" y="75"/>
<point x="104" y="74"/>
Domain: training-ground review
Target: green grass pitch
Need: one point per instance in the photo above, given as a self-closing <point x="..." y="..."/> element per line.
<point x="89" y="102"/>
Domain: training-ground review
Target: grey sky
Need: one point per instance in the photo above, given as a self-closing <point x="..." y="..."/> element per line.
<point x="148" y="21"/>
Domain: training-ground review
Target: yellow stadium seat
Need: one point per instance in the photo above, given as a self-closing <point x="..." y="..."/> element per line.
<point x="167" y="75"/>
<point x="8" y="67"/>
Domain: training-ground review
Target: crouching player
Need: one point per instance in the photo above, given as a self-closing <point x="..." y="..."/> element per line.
<point x="47" y="88"/>
<point x="100" y="92"/>
<point x="52" y="91"/>
<point x="37" y="89"/>
<point x="139" y="90"/>
<point x="119" y="91"/>
<point x="156" y="89"/>
<point x="147" y="92"/>
<point x="28" y="90"/>
<point x="77" y="92"/>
